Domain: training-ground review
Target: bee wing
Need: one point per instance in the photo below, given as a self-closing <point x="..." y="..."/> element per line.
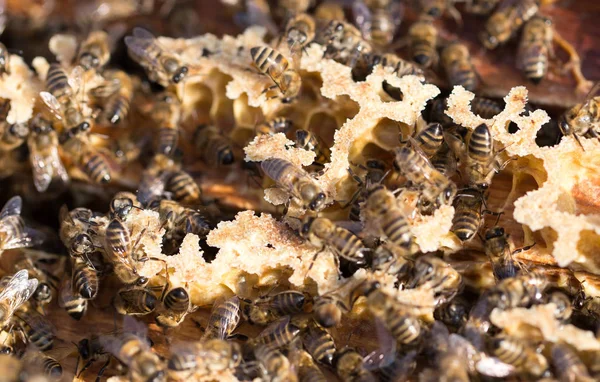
<point x="12" y="207"/>
<point x="52" y="103"/>
<point x="385" y="354"/>
<point x="18" y="290"/>
<point x="493" y="367"/>
<point x="140" y="47"/>
<point x="594" y="91"/>
<point x="363" y="17"/>
<point x="224" y="321"/>
<point x="76" y="79"/>
<point x="131" y="325"/>
<point x="419" y="151"/>
<point x="396" y="10"/>
<point x="258" y="13"/>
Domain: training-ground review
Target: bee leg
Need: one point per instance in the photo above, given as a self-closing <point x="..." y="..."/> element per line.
<point x="102" y="370"/>
<point x="312" y="262"/>
<point x="525" y="248"/>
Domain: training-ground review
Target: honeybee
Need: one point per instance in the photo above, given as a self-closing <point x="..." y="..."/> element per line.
<point x="319" y="344"/>
<point x="94" y="52"/>
<point x="445" y="160"/>
<point x="456" y="60"/>
<point x="133" y="350"/>
<point x="481" y="158"/>
<point x="481" y="7"/>
<point x="120" y="250"/>
<point x="155" y="177"/>
<point x="378" y="21"/>
<point x="436" y="8"/>
<point x="583" y="119"/>
<point x="273" y="365"/>
<point x="535" y="48"/>
<point x="4" y="60"/>
<point x="74" y="304"/>
<point x="134" y="301"/>
<point x="224" y="318"/>
<point x="278" y="333"/>
<point x="329" y="307"/>
<point x="85" y="278"/>
<point x="205" y="357"/>
<point x="564" y="306"/>
<point x="74" y="226"/>
<point x="214" y="147"/>
<point x="423" y="36"/>
<point x="167" y="112"/>
<point x="436" y="189"/>
<point x="95" y="165"/>
<point x="161" y="64"/>
<point x="269" y="308"/>
<point x="568" y="365"/>
<point x="184" y="188"/>
<point x="58" y="84"/>
<point x="299" y="32"/>
<point x="43" y="293"/>
<point x="375" y="173"/>
<point x="497" y="248"/>
<point x="17" y="289"/>
<point x="455" y="313"/>
<point x="519" y="354"/>
<point x="438" y="275"/>
<point x="323" y="233"/>
<point x="274" y="65"/>
<point x="506" y="21"/>
<point x="116" y="108"/>
<point x="43" y="154"/>
<point x="177" y="305"/>
<point x="400" y="68"/>
<point x="520" y="291"/>
<point x="467" y="218"/>
<point x="274" y="126"/>
<point x="178" y="220"/>
<point x="296" y="182"/>
<point x="344" y="42"/>
<point x="430" y="139"/>
<point x="312" y="142"/>
<point x="37" y="329"/>
<point x="13" y="232"/>
<point x="486" y="108"/>
<point x="349" y="366"/>
<point x="381" y="210"/>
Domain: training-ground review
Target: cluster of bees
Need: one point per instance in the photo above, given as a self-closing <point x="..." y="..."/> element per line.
<point x="441" y="163"/>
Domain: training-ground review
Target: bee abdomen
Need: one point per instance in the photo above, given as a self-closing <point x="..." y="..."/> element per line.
<point x="396" y="228"/>
<point x="535" y="67"/>
<point x="96" y="168"/>
<point x="182" y="362"/>
<point x="431" y="139"/>
<point x="348" y="245"/>
<point x="167" y="140"/>
<point x="57" y="82"/>
<point x="405" y="328"/>
<point x="269" y="61"/>
<point x="117" y="109"/>
<point x="43" y="340"/>
<point x="465" y="77"/>
<point x="177" y="300"/>
<point x="466" y="224"/>
<point x="290" y="302"/>
<point x="184" y="187"/>
<point x="52" y="367"/>
<point x="480" y="144"/>
<point x="117" y="237"/>
<point x="85" y="281"/>
<point x="279" y="170"/>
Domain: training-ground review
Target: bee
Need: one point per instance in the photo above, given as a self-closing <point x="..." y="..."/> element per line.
<point x="215" y="355"/>
<point x="307" y="370"/>
<point x="155" y="177"/>
<point x="274" y="65"/>
<point x="438" y="275"/>
<point x="486" y="108"/>
<point x="273" y="365"/>
<point x="133" y="350"/>
<point x="319" y="344"/>
<point x="94" y="52"/>
<point x="445" y="160"/>
<point x="399" y="66"/>
<point x="381" y="209"/>
<point x="467" y="218"/>
<point x="4" y="60"/>
<point x="43" y="293"/>
<point x="481" y="164"/>
<point x="161" y="64"/>
<point x="520" y="291"/>
<point x="120" y="249"/>
<point x="349" y="366"/>
<point x="44" y="155"/>
<point x="85" y="278"/>
<point x="436" y="8"/>
<point x="13" y="232"/>
<point x="312" y="142"/>
<point x="224" y="318"/>
<point x="497" y="248"/>
<point x="278" y="334"/>
<point x="567" y="364"/>
<point x="378" y="21"/>
<point x="535" y="48"/>
<point x="17" y="289"/>
<point x="214" y="147"/>
<point x="274" y="126"/>
<point x="74" y="304"/>
<point x="296" y="182"/>
<point x="134" y="301"/>
<point x="481" y="7"/>
<point x="519" y="354"/>
<point x="118" y="104"/>
<point x="177" y="305"/>
<point x="437" y="189"/>
<point x="299" y="32"/>
<point x="506" y="21"/>
<point x="58" y="84"/>
<point x="430" y="139"/>
<point x="178" y="220"/>
<point x="423" y="37"/>
<point x="329" y="307"/>
<point x="323" y="233"/>
<point x="456" y="60"/>
<point x="582" y="119"/>
<point x="344" y="42"/>
<point x="267" y="309"/>
<point x="375" y="173"/>
<point x="166" y="113"/>
<point x="75" y="224"/>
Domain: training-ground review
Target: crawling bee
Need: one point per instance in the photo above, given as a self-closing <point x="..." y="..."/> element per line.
<point x="312" y="142"/>
<point x="344" y="42"/>
<point x="423" y="37"/>
<point x="32" y="263"/>
<point x="122" y="204"/>
<point x="497" y="248"/>
<point x="319" y="344"/>
<point x="278" y="333"/>
<point x="519" y="354"/>
<point x="455" y="313"/>
<point x="201" y="358"/>
<point x="269" y="308"/>
<point x="274" y="126"/>
<point x="94" y="52"/>
<point x="323" y="233"/>
<point x="13" y="232"/>
<point x="329" y="307"/>
<point x="161" y="64"/>
<point x="378" y="21"/>
<point x="436" y="189"/>
<point x="179" y="220"/>
<point x="299" y="32"/>
<point x="74" y="227"/>
<point x="46" y="164"/>
<point x="306" y="368"/>
<point x="120" y="250"/>
<point x="506" y="21"/>
<point x="85" y="278"/>
<point x="38" y="360"/>
<point x="467" y="218"/>
<point x="214" y="147"/>
<point x="91" y="350"/>
<point x="381" y="210"/>
<point x="296" y="182"/>
<point x="224" y="318"/>
<point x="349" y="366"/>
<point x="95" y="164"/>
<point x="520" y="291"/>
<point x="74" y="304"/>
<point x="456" y="60"/>
<point x="274" y="65"/>
<point x="134" y="301"/>
<point x="37" y="328"/>
<point x="177" y="305"/>
<point x="583" y="119"/>
<point x="273" y="365"/>
<point x="167" y="112"/>
<point x="481" y="158"/>
<point x="438" y="275"/>
<point x="535" y="48"/>
<point x="17" y="290"/>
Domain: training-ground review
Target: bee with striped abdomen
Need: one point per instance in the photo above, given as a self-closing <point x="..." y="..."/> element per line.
<point x="456" y="61"/>
<point x="430" y="139"/>
<point x="536" y="48"/>
<point x="274" y="65"/>
<point x="85" y="278"/>
<point x="268" y="308"/>
<point x="118" y="104"/>
<point x="274" y="126"/>
<point x="583" y="119"/>
<point x="46" y="163"/>
<point x="224" y="318"/>
<point x="312" y="142"/>
<point x="467" y="218"/>
<point x="441" y="277"/>
<point x="214" y="147"/>
<point x="134" y="301"/>
<point x="184" y="188"/>
<point x="423" y="37"/>
<point x="319" y="344"/>
<point x="94" y="52"/>
<point x="502" y="25"/>
<point x="73" y="303"/>
<point x="167" y="113"/>
<point x="519" y="354"/>
<point x="378" y="20"/>
<point x="177" y="305"/>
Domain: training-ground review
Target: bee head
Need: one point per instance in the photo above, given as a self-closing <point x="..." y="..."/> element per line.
<point x="494" y="232"/>
<point x="317" y="202"/>
<point x="89" y="61"/>
<point x="180" y="74"/>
